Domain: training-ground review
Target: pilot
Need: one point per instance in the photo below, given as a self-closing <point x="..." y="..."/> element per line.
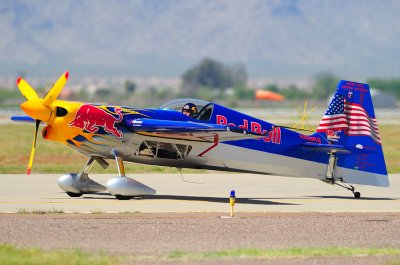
<point x="190" y="110"/>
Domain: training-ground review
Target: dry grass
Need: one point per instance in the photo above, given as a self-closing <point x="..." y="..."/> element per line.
<point x="390" y="136"/>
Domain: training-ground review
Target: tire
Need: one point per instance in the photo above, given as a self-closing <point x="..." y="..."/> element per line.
<point x="357" y="195"/>
<point x="73" y="194"/>
<point x="123" y="197"/>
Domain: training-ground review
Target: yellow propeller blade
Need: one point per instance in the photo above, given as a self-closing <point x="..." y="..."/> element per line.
<point x="26" y="90"/>
<point x="33" y="147"/>
<point x="55" y="90"/>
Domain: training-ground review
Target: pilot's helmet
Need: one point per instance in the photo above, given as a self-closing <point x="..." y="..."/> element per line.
<point x="190" y="110"/>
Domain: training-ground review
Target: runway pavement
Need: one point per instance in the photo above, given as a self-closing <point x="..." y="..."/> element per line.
<point x="200" y="193"/>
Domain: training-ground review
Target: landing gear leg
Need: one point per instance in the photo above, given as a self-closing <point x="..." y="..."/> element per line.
<point x="351" y="188"/>
<point x="121" y="172"/>
<point x="77" y="184"/>
<point x="331" y="178"/>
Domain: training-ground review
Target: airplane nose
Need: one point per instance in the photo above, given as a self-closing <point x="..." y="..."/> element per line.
<point x="36" y="110"/>
<point x="27" y="108"/>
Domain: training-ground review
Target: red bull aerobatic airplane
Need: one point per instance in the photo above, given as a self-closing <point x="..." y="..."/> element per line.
<point x="345" y="148"/>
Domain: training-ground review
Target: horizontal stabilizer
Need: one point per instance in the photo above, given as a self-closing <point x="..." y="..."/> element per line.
<point x="325" y="148"/>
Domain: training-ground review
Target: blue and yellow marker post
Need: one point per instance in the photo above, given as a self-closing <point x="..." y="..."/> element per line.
<point x="232" y="198"/>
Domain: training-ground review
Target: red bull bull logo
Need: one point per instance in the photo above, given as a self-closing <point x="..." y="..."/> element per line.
<point x="92" y="118"/>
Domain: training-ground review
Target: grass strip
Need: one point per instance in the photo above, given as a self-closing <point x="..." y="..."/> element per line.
<point x="11" y="255"/>
<point x="307" y="252"/>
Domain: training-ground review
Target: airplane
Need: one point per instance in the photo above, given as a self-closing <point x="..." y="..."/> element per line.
<point x="344" y="149"/>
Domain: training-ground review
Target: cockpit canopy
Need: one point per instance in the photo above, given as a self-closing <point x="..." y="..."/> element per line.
<point x="177" y="104"/>
<point x="205" y="108"/>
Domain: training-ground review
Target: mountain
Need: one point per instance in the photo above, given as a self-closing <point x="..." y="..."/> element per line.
<point x="285" y="39"/>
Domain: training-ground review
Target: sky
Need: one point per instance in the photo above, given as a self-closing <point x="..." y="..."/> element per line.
<point x="294" y="39"/>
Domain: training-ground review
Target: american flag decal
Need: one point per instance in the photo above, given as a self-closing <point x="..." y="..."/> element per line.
<point x="349" y="117"/>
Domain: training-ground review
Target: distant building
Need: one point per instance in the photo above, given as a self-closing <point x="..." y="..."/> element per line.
<point x="383" y="99"/>
<point x="380" y="99"/>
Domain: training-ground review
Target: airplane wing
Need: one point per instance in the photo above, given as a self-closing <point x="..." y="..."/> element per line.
<point x="24" y="119"/>
<point x="187" y="130"/>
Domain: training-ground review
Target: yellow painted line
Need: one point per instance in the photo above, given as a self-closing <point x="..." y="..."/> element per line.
<point x="111" y="201"/>
<point x="69" y="202"/>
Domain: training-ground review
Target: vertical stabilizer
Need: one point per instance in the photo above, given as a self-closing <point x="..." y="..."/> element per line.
<point x="350" y="121"/>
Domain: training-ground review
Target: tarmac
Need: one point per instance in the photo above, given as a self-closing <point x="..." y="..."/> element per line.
<point x="208" y="192"/>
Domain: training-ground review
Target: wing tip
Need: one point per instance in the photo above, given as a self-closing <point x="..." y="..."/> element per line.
<point x="19" y="80"/>
<point x="66" y="74"/>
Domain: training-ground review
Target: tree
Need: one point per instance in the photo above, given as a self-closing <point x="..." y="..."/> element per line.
<point x="387" y="85"/>
<point x="293" y="92"/>
<point x="325" y="84"/>
<point x="273" y="88"/>
<point x="243" y="92"/>
<point x="213" y="74"/>
<point x="239" y="75"/>
<point x="130" y="87"/>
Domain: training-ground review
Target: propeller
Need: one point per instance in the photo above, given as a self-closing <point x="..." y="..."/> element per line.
<point x="37" y="108"/>
<point x="55" y="90"/>
<point x="37" y="123"/>
<point x="26" y="90"/>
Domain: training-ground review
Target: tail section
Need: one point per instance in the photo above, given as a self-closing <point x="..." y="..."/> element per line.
<point x="350" y="121"/>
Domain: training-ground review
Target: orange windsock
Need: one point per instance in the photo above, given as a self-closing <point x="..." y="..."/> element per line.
<point x="268" y="95"/>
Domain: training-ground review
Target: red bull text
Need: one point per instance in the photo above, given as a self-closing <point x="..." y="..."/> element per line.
<point x="273" y="136"/>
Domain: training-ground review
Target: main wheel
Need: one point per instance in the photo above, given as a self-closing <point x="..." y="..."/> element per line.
<point x="73" y="194"/>
<point x="357" y="195"/>
<point x="123" y="197"/>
